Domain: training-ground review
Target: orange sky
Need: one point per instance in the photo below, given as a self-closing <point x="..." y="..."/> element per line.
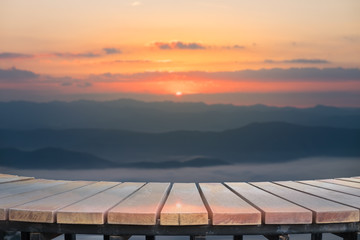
<point x="82" y="47"/>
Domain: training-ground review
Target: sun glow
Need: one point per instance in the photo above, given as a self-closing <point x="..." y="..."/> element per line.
<point x="178" y="93"/>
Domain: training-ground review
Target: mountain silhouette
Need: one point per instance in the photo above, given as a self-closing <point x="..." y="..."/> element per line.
<point x="256" y="142"/>
<point x="164" y="116"/>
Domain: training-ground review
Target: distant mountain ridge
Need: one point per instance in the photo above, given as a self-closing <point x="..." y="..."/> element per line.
<point x="51" y="158"/>
<point x="257" y="142"/>
<point x="56" y="158"/>
<point x="164" y="116"/>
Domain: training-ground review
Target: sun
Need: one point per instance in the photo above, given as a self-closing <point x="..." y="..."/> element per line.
<point x="178" y="93"/>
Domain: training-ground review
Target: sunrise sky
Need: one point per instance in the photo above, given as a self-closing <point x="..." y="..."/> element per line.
<point x="279" y="52"/>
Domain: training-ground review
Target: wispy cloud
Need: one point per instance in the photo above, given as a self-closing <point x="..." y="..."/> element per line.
<point x="70" y="55"/>
<point x="236" y="46"/>
<point x="17" y="75"/>
<point x="299" y="60"/>
<point x="77" y="55"/>
<point x="268" y="75"/>
<point x="12" y="55"/>
<point x="112" y="50"/>
<point x="178" y="45"/>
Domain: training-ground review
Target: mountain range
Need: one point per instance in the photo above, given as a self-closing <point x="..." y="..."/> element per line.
<point x="254" y="143"/>
<point x="132" y="115"/>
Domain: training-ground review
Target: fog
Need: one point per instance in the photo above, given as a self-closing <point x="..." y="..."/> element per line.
<point x="301" y="169"/>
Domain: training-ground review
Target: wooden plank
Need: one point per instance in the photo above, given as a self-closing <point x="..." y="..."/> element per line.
<point x="340" y="182"/>
<point x="14" y="179"/>
<point x="275" y="210"/>
<point x="334" y="187"/>
<point x="350" y="200"/>
<point x="227" y="208"/>
<point x="141" y="208"/>
<point x="357" y="180"/>
<point x="18" y="199"/>
<point x="93" y="210"/>
<point x="3" y="175"/>
<point x="44" y="210"/>
<point x="325" y="211"/>
<point x="25" y="186"/>
<point x="184" y="206"/>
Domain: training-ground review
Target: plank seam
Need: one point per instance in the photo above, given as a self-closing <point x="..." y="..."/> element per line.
<point x="248" y="201"/>
<point x="339" y="184"/>
<point x="328" y="188"/>
<point x="206" y="204"/>
<point x="163" y="204"/>
<point x="7" y="209"/>
<point x="56" y="210"/>
<point x="347" y="180"/>
<point x="318" y="196"/>
<point x="313" y="212"/>
<point x="107" y="211"/>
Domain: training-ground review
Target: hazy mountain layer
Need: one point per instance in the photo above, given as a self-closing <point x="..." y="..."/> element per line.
<point x="258" y="142"/>
<point x="164" y="116"/>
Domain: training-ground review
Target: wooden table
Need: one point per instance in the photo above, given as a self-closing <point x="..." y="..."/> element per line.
<point x="42" y="209"/>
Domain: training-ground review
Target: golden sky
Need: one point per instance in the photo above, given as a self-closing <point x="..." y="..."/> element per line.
<point x="195" y="47"/>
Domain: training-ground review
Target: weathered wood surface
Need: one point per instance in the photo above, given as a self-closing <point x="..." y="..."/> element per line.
<point x="350" y="200"/>
<point x="275" y="209"/>
<point x="8" y="189"/>
<point x="44" y="210"/>
<point x="325" y="211"/>
<point x="343" y="183"/>
<point x="18" y="199"/>
<point x="184" y="206"/>
<point x="226" y="208"/>
<point x="334" y="187"/>
<point x="10" y="178"/>
<point x="141" y="208"/>
<point x="93" y="210"/>
<point x="357" y="180"/>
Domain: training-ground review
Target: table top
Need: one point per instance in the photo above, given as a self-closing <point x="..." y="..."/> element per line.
<point x="26" y="199"/>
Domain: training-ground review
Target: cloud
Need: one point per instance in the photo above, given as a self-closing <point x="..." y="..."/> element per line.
<point x="14" y="74"/>
<point x="131" y="61"/>
<point x="65" y="84"/>
<point x="273" y="74"/>
<point x="178" y="45"/>
<point x="236" y="46"/>
<point x="84" y="84"/>
<point x="67" y="81"/>
<point x="299" y="60"/>
<point x="325" y="75"/>
<point x="112" y="50"/>
<point x="11" y="55"/>
<point x="77" y="55"/>
<point x="290" y="74"/>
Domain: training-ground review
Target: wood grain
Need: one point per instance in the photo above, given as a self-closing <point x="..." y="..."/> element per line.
<point x="343" y="183"/>
<point x="334" y="187"/>
<point x="325" y="211"/>
<point x="44" y="210"/>
<point x="93" y="210"/>
<point x="357" y="180"/>
<point x="141" y="208"/>
<point x="14" y="179"/>
<point x="8" y="189"/>
<point x="184" y="206"/>
<point x="226" y="208"/>
<point x="18" y="199"/>
<point x="350" y="200"/>
<point x="275" y="210"/>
